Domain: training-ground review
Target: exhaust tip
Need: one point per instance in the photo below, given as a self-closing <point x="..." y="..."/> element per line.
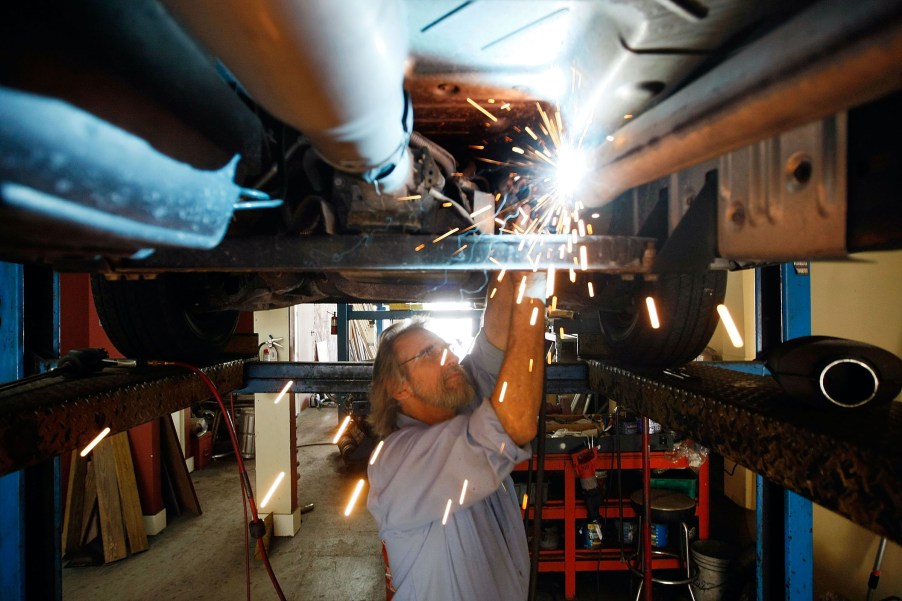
<point x="848" y="382"/>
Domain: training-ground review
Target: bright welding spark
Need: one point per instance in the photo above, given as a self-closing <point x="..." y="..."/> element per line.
<point x="530" y="366"/>
<point x="652" y="312"/>
<point x="522" y="290"/>
<point x="501" y="274"/>
<point x="583" y="258"/>
<point x="562" y="332"/>
<point x="525" y="500"/>
<point x="477" y="147"/>
<point x="482" y="110"/>
<point x="591" y="291"/>
<point x="447" y="204"/>
<point x="272" y="490"/>
<point x="554" y="303"/>
<point x="341" y="430"/>
<point x="93" y="443"/>
<point x="354" y="496"/>
<point x="534" y="316"/>
<point x="463" y="491"/>
<point x="459" y="249"/>
<point x="581" y="227"/>
<point x="447" y="511"/>
<point x="589" y="229"/>
<point x="444" y="357"/>
<point x="501" y="450"/>
<point x="482" y="210"/>
<point x="548" y="357"/>
<point x="549" y="283"/>
<point x="446" y="234"/>
<point x="419" y="248"/>
<point x="376" y="452"/>
<point x="531" y="133"/>
<point x="503" y="391"/>
<point x="730" y="325"/>
<point x="609" y="138"/>
<point x="572" y="274"/>
<point x="284" y="390"/>
<point x="411" y="197"/>
<point x="494" y="291"/>
<point x="518" y="150"/>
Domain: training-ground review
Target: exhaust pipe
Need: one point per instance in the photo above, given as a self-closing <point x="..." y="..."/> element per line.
<point x="332" y="70"/>
<point x="835" y="372"/>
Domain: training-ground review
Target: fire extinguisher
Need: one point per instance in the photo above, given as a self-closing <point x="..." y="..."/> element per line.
<point x="334" y="324"/>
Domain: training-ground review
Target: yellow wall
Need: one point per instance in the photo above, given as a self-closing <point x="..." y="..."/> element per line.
<point x="859" y="300"/>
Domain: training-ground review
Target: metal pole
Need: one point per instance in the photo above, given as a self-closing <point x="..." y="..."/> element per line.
<point x="646" y="512"/>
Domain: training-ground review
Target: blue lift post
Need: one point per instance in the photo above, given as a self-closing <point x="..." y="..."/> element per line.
<point x="12" y="486"/>
<point x="30" y="504"/>
<point x="782" y="515"/>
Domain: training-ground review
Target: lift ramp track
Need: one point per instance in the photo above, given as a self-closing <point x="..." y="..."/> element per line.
<point x="55" y="415"/>
<point x="847" y="461"/>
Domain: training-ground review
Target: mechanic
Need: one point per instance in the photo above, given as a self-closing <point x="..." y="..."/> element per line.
<point x="440" y="489"/>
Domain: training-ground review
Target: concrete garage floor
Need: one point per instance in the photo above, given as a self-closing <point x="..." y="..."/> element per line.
<point x="332" y="558"/>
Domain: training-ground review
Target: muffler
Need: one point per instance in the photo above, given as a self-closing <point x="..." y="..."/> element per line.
<point x="835" y="372"/>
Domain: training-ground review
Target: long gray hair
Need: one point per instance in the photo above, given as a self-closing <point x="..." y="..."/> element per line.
<point x="386" y="373"/>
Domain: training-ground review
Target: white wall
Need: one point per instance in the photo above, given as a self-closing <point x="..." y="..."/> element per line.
<point x="857" y="300"/>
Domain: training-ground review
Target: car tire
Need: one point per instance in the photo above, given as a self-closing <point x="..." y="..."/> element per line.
<point x="687" y="309"/>
<point x="155" y="319"/>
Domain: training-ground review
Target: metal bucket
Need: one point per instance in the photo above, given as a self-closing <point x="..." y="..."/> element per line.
<point x="712" y="560"/>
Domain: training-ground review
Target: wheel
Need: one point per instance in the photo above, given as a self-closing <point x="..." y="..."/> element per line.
<point x="686" y="305"/>
<point x="156" y="319"/>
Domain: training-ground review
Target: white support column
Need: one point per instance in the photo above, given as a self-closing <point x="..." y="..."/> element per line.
<point x="275" y="436"/>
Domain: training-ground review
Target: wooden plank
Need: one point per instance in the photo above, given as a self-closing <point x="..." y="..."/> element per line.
<point x="73" y="518"/>
<point x="112" y="531"/>
<point x="128" y="494"/>
<point x="174" y="460"/>
<point x="90" y="525"/>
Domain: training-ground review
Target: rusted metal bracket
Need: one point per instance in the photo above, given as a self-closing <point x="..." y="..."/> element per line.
<point x="47" y="417"/>
<point x="848" y="462"/>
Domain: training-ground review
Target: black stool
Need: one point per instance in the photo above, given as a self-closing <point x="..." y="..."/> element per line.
<point x="667" y="507"/>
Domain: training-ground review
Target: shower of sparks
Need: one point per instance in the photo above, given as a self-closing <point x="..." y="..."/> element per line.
<point x="376" y="452"/>
<point x="479" y="108"/>
<point x="354" y="496"/>
<point x="591" y="291"/>
<point x="534" y="316"/>
<point x="272" y="490"/>
<point x="521" y="290"/>
<point x="341" y="430"/>
<point x="730" y="325"/>
<point x="549" y="283"/>
<point x="494" y="292"/>
<point x="463" y="492"/>
<point x="447" y="511"/>
<point x="94" y="443"/>
<point x="284" y="390"/>
<point x="501" y="274"/>
<point x="503" y="392"/>
<point x="419" y="248"/>
<point x="652" y="312"/>
<point x="583" y="258"/>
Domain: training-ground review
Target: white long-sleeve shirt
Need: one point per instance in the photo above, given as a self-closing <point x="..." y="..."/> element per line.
<point x="480" y="553"/>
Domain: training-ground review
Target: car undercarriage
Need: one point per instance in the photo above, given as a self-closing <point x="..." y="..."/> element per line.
<point x="202" y="158"/>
